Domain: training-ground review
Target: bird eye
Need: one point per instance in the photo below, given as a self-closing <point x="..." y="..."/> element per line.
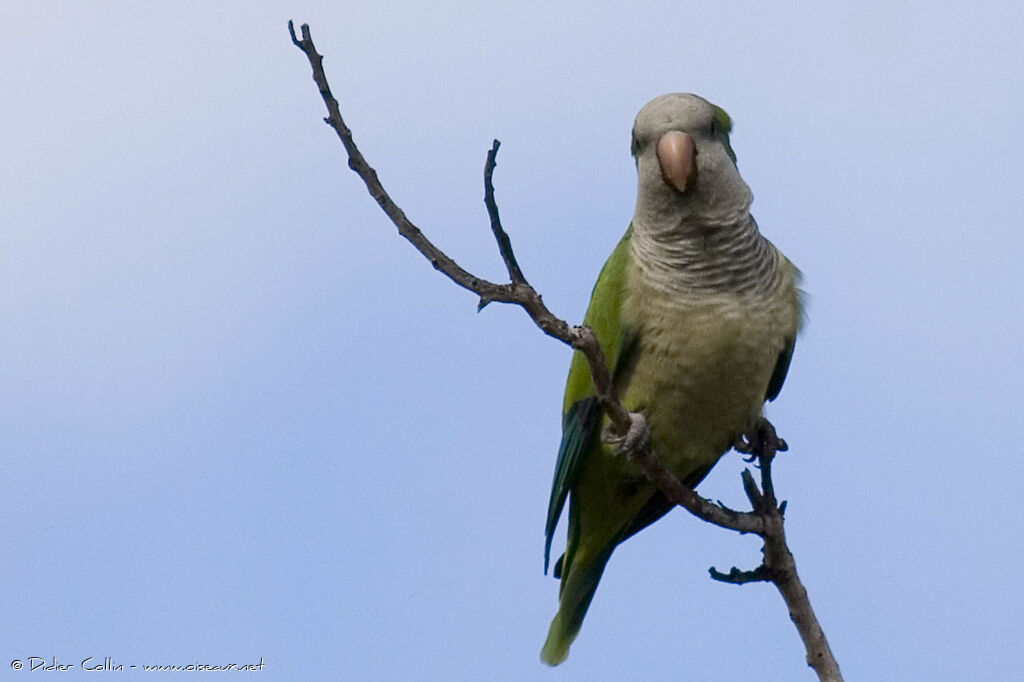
<point x="634" y="145"/>
<point x="714" y="127"/>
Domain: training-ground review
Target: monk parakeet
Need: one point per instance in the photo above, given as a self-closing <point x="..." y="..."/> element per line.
<point x="697" y="315"/>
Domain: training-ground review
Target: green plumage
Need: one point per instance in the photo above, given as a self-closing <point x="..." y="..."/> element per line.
<point x="697" y="315"/>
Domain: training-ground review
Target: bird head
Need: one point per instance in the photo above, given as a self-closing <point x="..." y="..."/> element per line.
<point x="683" y="157"/>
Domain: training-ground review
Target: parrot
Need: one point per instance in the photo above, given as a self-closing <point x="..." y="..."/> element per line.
<point x="697" y="315"/>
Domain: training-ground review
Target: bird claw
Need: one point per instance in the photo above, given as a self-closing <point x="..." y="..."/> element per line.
<point x="635" y="440"/>
<point x="743" y="445"/>
<point x="759" y="441"/>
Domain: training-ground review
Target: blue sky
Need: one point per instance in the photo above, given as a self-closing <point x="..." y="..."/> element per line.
<point x="242" y="419"/>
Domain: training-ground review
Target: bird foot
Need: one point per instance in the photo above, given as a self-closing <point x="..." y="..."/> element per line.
<point x="635" y="440"/>
<point x="760" y="441"/>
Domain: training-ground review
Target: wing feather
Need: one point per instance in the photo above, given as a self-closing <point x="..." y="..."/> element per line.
<point x="581" y="411"/>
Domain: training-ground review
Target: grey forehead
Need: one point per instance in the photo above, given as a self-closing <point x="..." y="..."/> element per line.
<point x="676" y="109"/>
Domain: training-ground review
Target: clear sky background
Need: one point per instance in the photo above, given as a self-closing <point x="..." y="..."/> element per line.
<point x="240" y="418"/>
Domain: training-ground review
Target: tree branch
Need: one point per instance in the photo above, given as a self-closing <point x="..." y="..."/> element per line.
<point x="504" y="243"/>
<point x="778" y="566"/>
<point x="516" y="292"/>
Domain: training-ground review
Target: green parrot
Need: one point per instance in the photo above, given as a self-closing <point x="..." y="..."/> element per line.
<point x="697" y="315"/>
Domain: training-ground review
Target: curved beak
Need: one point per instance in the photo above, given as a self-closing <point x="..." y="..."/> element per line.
<point x="678" y="158"/>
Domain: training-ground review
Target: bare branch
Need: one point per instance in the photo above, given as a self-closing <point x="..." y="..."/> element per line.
<point x="504" y="243"/>
<point x="683" y="495"/>
<point x="437" y="258"/>
<point x="778" y="566"/>
<point x="517" y="292"/>
<point x="738" y="577"/>
<point x="781" y="569"/>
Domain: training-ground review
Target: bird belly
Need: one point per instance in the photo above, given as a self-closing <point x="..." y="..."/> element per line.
<point x="700" y="377"/>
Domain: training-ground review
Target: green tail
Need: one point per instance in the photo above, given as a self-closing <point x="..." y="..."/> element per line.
<point x="578" y="586"/>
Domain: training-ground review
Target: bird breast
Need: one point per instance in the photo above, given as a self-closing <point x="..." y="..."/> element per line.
<point x="702" y="367"/>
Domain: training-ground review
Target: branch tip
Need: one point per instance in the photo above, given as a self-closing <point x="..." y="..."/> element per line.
<point x="750" y="488"/>
<point x="737" y="577"/>
<point x="504" y="243"/>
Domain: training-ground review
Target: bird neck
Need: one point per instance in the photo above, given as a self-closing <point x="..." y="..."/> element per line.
<point x="718" y="252"/>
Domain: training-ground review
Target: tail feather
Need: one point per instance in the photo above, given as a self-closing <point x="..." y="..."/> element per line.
<point x="578" y="587"/>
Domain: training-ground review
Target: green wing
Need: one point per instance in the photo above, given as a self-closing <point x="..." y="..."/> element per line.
<point x="581" y="412"/>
